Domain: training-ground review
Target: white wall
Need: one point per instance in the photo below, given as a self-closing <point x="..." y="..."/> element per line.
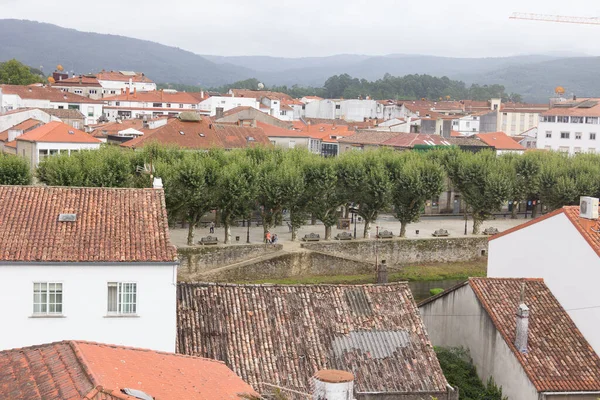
<point x="515" y="123"/>
<point x="556" y="252"/>
<point x="468" y="125"/>
<point x="10" y="120"/>
<point x="63" y="147"/>
<point x="85" y="306"/>
<point x="571" y="145"/>
<point x="458" y="320"/>
<point x="227" y="103"/>
<point x="117" y="86"/>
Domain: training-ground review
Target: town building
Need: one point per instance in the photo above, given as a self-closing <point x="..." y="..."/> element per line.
<point x="13" y="97"/>
<point x="134" y="104"/>
<point x="406" y="125"/>
<point x="501" y="142"/>
<point x="47" y="140"/>
<point x="195" y="132"/>
<point x="569" y="261"/>
<point x="67" y="115"/>
<point x="571" y="127"/>
<point x="516" y="118"/>
<point x="249" y="116"/>
<point x="367" y="139"/>
<point x="78" y="370"/>
<point x="87" y="264"/>
<point x="128" y="128"/>
<point x="87" y="86"/>
<point x="517" y="333"/>
<point x="352" y="110"/>
<point x="117" y="81"/>
<point x="282" y="334"/>
<point x="217" y="105"/>
<point x="285" y="138"/>
<point x="11" y="134"/>
<point x="15" y="117"/>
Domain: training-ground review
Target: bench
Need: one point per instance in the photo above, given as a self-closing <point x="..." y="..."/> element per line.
<point x="343" y="236"/>
<point x="441" y="233"/>
<point x="311" y="237"/>
<point x="491" y="231"/>
<point x="209" y="240"/>
<point x="385" y="235"/>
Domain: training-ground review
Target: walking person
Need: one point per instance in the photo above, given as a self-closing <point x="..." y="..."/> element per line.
<point x="274" y="239"/>
<point x="212" y="227"/>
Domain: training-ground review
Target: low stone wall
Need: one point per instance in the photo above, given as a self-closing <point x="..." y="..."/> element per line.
<point x="406" y="251"/>
<point x="196" y="260"/>
<point x="287" y="265"/>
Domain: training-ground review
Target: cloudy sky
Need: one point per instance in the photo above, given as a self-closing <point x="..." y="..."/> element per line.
<point x="462" y="28"/>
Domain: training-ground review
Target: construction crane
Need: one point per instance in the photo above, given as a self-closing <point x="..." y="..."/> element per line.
<point x="556" y="18"/>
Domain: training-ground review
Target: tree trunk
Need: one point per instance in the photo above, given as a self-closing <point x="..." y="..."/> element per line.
<point x="403" y="229"/>
<point x="294" y="233"/>
<point x="313" y="219"/>
<point x="190" y="236"/>
<point x="534" y="211"/>
<point x="367" y="228"/>
<point x="327" y="232"/>
<point x="217" y="219"/>
<point x="227" y="233"/>
<point x="476" y="225"/>
<point x="265" y="229"/>
<point x="514" y="210"/>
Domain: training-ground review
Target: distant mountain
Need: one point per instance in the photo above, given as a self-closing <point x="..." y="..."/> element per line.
<point x="39" y="44"/>
<point x="533" y="76"/>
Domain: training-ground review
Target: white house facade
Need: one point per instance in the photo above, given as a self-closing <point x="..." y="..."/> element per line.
<point x="91" y="264"/>
<point x="562" y="249"/>
<point x="134" y="104"/>
<point x="226" y="103"/>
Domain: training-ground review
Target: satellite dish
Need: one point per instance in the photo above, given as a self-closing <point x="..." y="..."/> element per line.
<point x="261" y="85"/>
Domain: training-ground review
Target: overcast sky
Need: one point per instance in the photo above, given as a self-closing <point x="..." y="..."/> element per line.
<point x="461" y="28"/>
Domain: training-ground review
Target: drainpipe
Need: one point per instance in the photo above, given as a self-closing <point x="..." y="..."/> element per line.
<point x="544" y="394"/>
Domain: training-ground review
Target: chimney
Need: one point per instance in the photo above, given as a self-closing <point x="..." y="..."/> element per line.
<point x="219" y="113"/>
<point x="330" y="384"/>
<point x="522" y="323"/>
<point x="130" y="82"/>
<point x="134" y="92"/>
<point x="157" y="183"/>
<point x="382" y="274"/>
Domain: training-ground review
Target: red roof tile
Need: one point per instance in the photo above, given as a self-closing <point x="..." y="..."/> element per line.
<point x="74" y="370"/>
<point x="275" y="131"/>
<point x="499" y="141"/>
<point x="120" y="77"/>
<point x="24" y="126"/>
<point x="259" y="94"/>
<point x="559" y="359"/>
<point x="284" y="334"/>
<point x="579" y="108"/>
<point x="78" y="81"/>
<point x="46" y="93"/>
<point x="57" y="132"/>
<point x="112" y="225"/>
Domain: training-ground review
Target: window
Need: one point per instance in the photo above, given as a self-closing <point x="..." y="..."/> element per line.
<point x="468" y="124"/>
<point x="577" y="120"/>
<point x="168" y="105"/>
<point x="112" y="92"/>
<point x="282" y="112"/>
<point x="181" y="106"/>
<point x="565" y="135"/>
<point x="592" y="136"/>
<point x="92" y="91"/>
<point x="75" y="124"/>
<point x="591" y="150"/>
<point x="53" y="152"/>
<point x="42" y="154"/>
<point x="563" y="149"/>
<point x="455" y="123"/>
<point x="73" y="106"/>
<point x="292" y="144"/>
<point x="548" y="134"/>
<point x="91" y="111"/>
<point x="591" y="120"/>
<point x="77" y="91"/>
<point x="562" y="119"/>
<point x="337" y="106"/>
<point x="117" y="103"/>
<point x="577" y="150"/>
<point x="47" y="298"/>
<point x="577" y="135"/>
<point x="193" y="106"/>
<point x="61" y="107"/>
<point x="158" y="105"/>
<point x="122" y="298"/>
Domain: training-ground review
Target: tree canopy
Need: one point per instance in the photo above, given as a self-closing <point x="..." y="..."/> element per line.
<point x="13" y="72"/>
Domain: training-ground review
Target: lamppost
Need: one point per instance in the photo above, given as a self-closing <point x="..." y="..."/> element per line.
<point x="354" y="211"/>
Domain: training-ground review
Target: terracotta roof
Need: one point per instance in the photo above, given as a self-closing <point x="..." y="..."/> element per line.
<point x="283" y="334"/>
<point x="201" y="135"/>
<point x="74" y="370"/>
<point x="12" y="144"/>
<point x="236" y="110"/>
<point x="369" y="137"/>
<point x="258" y="94"/>
<point x="64" y="113"/>
<point x="499" y="141"/>
<point x="24" y="126"/>
<point x="524" y="107"/>
<point x="91" y="81"/>
<point x="578" y="108"/>
<point x="156" y="96"/>
<point x="466" y="141"/>
<point x="112" y="225"/>
<point x="46" y="93"/>
<point x="57" y="132"/>
<point x="559" y="359"/>
<point x="120" y="77"/>
<point x="113" y="128"/>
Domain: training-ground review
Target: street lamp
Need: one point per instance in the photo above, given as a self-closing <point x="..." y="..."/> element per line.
<point x="354" y="211"/>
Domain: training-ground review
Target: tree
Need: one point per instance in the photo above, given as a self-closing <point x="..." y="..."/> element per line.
<point x="13" y="72"/>
<point x="482" y="180"/>
<point x="298" y="197"/>
<point x="236" y="191"/>
<point x="415" y="179"/>
<point x="14" y="170"/>
<point x="322" y="189"/>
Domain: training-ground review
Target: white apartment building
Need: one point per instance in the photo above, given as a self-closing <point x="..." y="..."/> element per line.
<point x="466" y="125"/>
<point x="225" y="103"/>
<point x="135" y="104"/>
<point x="571" y="127"/>
<point x="516" y="118"/>
<point x="104" y="83"/>
<point x="351" y="110"/>
<point x="92" y="264"/>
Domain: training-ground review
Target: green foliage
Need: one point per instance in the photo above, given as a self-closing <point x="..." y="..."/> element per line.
<point x="460" y="372"/>
<point x="13" y="72"/>
<point x="435" y="291"/>
<point x="14" y="170"/>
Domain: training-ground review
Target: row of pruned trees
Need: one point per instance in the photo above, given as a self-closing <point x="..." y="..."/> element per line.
<point x="267" y="181"/>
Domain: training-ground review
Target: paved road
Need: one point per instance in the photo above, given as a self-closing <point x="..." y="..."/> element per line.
<point x="427" y="225"/>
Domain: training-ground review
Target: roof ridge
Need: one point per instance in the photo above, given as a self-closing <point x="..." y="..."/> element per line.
<point x="222" y="284"/>
<point x="83" y="362"/>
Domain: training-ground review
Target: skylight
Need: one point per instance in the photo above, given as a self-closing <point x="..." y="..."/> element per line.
<point x="67" y="217"/>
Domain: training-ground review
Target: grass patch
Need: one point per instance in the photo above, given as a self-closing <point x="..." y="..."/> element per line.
<point x="414" y="273"/>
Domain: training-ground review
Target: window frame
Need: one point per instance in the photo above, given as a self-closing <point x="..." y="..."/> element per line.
<point x="47" y="303"/>
<point x="578" y="135"/>
<point x="565" y="135"/>
<point x="548" y="134"/>
<point x="131" y="303"/>
<point x="592" y="135"/>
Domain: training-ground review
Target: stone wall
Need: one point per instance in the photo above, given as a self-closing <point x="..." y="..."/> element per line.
<point x="198" y="260"/>
<point x="406" y="251"/>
